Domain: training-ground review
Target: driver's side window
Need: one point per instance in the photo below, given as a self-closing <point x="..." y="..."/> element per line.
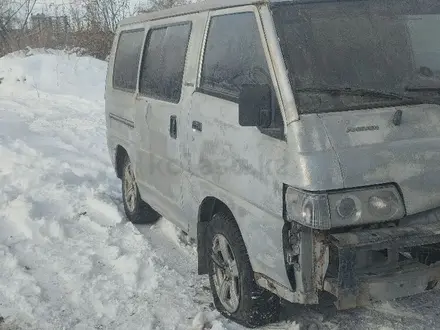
<point x="234" y="56"/>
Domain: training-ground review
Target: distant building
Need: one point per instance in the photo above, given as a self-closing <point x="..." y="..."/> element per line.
<point x="54" y="24"/>
<point x="49" y="31"/>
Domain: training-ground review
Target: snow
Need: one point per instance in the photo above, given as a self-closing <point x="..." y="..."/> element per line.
<point x="68" y="257"/>
<point x="69" y="260"/>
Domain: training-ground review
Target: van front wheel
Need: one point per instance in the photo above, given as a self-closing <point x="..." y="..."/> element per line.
<point x="136" y="210"/>
<point x="235" y="292"/>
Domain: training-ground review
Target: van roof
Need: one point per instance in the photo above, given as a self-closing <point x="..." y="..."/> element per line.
<point x="190" y="9"/>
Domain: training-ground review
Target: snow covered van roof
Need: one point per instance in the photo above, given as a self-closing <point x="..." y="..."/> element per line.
<point x="190" y="9"/>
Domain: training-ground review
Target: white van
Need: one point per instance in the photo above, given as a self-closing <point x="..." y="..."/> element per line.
<point x="298" y="142"/>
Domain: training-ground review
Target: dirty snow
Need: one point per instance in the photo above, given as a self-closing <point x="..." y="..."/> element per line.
<point x="68" y="257"/>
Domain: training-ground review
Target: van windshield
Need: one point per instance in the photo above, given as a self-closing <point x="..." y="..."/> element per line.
<point x="360" y="54"/>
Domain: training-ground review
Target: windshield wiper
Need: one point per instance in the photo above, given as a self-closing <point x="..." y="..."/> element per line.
<point x="357" y="91"/>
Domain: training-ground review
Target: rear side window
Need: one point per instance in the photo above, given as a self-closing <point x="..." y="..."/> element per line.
<point x="234" y="55"/>
<point x="163" y="62"/>
<point x="127" y="60"/>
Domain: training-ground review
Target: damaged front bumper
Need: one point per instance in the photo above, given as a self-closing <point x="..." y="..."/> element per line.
<point x="382" y="264"/>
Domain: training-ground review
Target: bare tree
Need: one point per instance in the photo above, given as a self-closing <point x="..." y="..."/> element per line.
<point x="27" y="9"/>
<point x="77" y="17"/>
<point x="162" y="4"/>
<point x="105" y="14"/>
<point x="90" y="25"/>
<point x="94" y="22"/>
<point x="14" y="16"/>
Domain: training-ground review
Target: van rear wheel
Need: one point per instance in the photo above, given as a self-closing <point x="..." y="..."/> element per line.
<point x="236" y="294"/>
<point x="136" y="210"/>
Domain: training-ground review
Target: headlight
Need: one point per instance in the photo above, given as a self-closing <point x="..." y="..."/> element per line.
<point x="347" y="208"/>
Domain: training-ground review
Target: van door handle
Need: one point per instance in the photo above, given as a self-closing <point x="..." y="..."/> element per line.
<point x="197" y="126"/>
<point x="173" y="127"/>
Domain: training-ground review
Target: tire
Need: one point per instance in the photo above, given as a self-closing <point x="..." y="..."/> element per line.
<point x="136" y="210"/>
<point x="255" y="306"/>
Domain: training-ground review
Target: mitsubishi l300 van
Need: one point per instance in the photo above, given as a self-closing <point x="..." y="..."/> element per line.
<point x="297" y="142"/>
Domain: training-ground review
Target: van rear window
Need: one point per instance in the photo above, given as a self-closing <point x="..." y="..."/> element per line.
<point x="127" y="60"/>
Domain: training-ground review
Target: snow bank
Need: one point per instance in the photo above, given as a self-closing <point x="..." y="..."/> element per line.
<point x="54" y="72"/>
<point x="68" y="258"/>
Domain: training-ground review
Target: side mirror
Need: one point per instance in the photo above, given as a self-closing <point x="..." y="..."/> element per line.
<point x="255" y="106"/>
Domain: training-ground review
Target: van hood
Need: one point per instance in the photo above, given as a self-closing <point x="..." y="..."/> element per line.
<point x="372" y="149"/>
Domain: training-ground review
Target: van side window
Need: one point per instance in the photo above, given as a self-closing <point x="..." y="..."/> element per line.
<point x="234" y="55"/>
<point x="163" y="62"/>
<point x="127" y="59"/>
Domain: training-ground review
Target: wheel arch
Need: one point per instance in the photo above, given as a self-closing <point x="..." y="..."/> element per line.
<point x="263" y="234"/>
<point x="209" y="206"/>
<point x="120" y="155"/>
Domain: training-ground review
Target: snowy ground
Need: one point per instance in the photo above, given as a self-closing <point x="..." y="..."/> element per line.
<point x="69" y="259"/>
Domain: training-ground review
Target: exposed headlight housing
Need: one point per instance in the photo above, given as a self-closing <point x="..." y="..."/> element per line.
<point x="344" y="208"/>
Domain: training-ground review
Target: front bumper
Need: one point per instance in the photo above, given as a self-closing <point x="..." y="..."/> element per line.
<point x="393" y="277"/>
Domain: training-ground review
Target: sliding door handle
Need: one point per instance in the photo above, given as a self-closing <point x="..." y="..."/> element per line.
<point x="173" y="127"/>
<point x="197" y="126"/>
